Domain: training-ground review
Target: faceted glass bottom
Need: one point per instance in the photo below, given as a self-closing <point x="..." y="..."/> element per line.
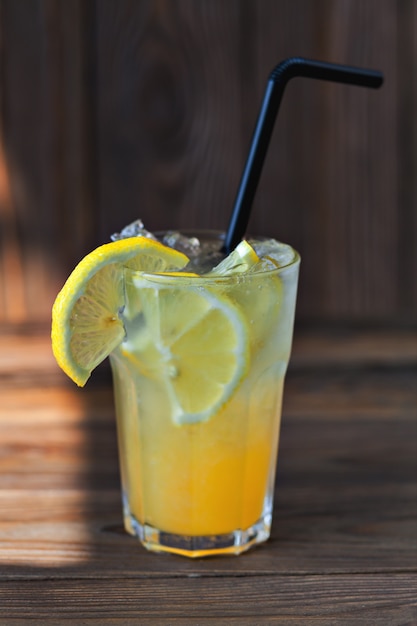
<point x="235" y="542"/>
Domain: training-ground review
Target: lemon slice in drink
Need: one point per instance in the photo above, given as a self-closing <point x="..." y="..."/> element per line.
<point x="257" y="292"/>
<point x="86" y="324"/>
<point x="197" y="345"/>
<point x="240" y="260"/>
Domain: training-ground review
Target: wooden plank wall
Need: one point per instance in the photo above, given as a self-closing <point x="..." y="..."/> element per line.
<point x="112" y="110"/>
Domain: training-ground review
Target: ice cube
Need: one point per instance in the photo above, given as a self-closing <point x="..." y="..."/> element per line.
<point x="188" y="245"/>
<point x="279" y="252"/>
<point x="135" y="229"/>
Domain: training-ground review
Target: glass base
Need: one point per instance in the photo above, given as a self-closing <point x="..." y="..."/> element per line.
<point x="235" y="542"/>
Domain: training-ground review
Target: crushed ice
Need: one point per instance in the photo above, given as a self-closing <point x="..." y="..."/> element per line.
<point x="188" y="245"/>
<point x="205" y="255"/>
<point x="173" y="239"/>
<point x="280" y="252"/>
<point x="135" y="229"/>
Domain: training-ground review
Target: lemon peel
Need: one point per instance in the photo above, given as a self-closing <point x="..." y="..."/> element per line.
<point x="86" y="324"/>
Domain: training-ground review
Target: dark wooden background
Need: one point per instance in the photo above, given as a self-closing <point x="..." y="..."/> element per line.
<point x="112" y="110"/>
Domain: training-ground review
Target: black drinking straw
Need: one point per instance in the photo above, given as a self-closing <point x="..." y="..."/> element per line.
<point x="279" y="77"/>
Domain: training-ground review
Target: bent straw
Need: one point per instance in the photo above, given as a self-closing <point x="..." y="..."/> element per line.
<point x="279" y="77"/>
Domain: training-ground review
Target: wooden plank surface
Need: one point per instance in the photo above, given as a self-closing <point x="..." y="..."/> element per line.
<point x="246" y="600"/>
<point x="343" y="548"/>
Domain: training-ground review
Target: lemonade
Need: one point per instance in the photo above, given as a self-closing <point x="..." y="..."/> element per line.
<point x="199" y="345"/>
<point x="196" y="482"/>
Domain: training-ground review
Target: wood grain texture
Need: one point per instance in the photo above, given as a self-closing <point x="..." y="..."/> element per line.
<point x="45" y="126"/>
<point x="114" y="110"/>
<point x="207" y="600"/>
<point x="343" y="545"/>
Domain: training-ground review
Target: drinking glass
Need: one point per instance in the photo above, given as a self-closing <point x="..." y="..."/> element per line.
<point x="204" y="487"/>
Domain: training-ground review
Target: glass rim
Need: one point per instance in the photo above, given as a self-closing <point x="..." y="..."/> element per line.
<point x="186" y="279"/>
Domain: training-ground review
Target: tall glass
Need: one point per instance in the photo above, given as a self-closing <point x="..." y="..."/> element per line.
<point x="204" y="488"/>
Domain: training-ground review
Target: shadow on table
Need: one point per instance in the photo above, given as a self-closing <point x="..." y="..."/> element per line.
<point x="345" y="493"/>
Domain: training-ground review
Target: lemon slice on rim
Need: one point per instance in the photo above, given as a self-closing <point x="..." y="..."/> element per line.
<point x="196" y="345"/>
<point x="86" y="324"/>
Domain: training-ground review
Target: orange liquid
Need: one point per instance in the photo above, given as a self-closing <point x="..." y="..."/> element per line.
<point x="208" y="478"/>
<point x="198" y="479"/>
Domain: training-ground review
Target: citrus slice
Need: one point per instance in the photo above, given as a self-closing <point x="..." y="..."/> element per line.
<point x="86" y="325"/>
<point x="197" y="346"/>
<point x="240" y="260"/>
<point x="258" y="292"/>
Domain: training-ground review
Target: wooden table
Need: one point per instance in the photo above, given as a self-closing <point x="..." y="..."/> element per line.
<point x="343" y="546"/>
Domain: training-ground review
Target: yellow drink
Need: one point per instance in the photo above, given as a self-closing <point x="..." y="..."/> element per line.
<point x="205" y="486"/>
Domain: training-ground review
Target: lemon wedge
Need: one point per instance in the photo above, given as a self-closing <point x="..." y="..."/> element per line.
<point x="240" y="260"/>
<point x="258" y="293"/>
<point x="86" y="323"/>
